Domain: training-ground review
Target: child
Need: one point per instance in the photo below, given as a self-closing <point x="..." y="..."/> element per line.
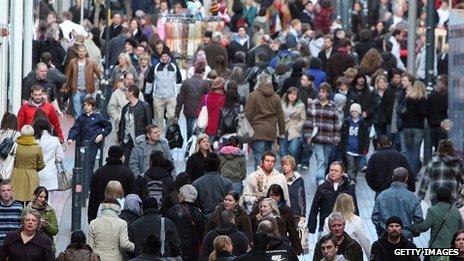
<point x="90" y="126"/>
<point x="354" y="140"/>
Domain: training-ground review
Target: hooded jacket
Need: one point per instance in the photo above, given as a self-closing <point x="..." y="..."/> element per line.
<point x="239" y="240"/>
<point x="383" y="250"/>
<point x="233" y="163"/>
<point x="258" y="183"/>
<point x="349" y="248"/>
<point x="263" y="111"/>
<point x="280" y="249"/>
<point x="442" y="171"/>
<point x="296" y="190"/>
<point x="324" y="200"/>
<point x="140" y="156"/>
<point x="156" y="174"/>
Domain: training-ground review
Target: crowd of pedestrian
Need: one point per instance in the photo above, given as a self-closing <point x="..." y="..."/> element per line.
<point x="306" y="86"/>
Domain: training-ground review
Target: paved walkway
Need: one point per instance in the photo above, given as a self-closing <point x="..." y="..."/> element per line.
<point x="62" y="200"/>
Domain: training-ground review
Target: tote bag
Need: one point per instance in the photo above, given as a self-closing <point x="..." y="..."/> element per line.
<point x="244" y="129"/>
<point x="203" y="116"/>
<point x="8" y="164"/>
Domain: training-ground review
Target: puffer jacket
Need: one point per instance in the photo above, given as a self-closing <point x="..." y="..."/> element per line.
<point x="233" y="163"/>
<point x="140" y="156"/>
<point x="294" y="119"/>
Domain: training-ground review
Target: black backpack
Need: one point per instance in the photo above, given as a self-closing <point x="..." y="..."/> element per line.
<point x="6" y="146"/>
<point x="174" y="136"/>
<point x="229" y="119"/>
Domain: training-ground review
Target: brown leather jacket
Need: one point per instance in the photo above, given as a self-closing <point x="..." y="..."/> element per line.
<point x="91" y="71"/>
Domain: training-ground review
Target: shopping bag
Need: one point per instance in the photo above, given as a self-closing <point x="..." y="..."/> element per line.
<point x="244" y="129"/>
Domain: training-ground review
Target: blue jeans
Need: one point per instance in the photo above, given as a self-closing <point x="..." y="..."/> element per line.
<point x="322" y="154"/>
<point x="290" y="147"/>
<point x="77" y="102"/>
<point x="91" y="155"/>
<point x="238" y="187"/>
<point x="412" y="141"/>
<point x="259" y="147"/>
<point x="190" y="124"/>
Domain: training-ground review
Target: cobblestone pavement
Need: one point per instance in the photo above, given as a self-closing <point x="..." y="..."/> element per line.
<point x="61" y="201"/>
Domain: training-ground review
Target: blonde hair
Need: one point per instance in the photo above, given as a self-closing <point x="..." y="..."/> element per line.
<point x="220" y="243"/>
<point x="27" y="130"/>
<point x="417" y="91"/>
<point x="200" y="138"/>
<point x="145" y="57"/>
<point x="272" y="204"/>
<point x="114" y="189"/>
<point x="378" y="78"/>
<point x="345" y="206"/>
<point x="288" y="159"/>
<point x="127" y="58"/>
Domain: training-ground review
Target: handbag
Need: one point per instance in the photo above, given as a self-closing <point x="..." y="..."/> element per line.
<point x="202" y="121"/>
<point x="6" y="145"/>
<point x="64" y="177"/>
<point x="8" y="164"/>
<point x="244" y="129"/>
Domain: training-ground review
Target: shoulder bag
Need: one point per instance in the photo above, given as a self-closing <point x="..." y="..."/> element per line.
<point x="8" y="164"/>
<point x="64" y="177"/>
<point x="202" y="121"/>
<point x="244" y="129"/>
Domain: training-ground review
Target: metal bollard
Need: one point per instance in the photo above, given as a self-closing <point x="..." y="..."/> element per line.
<point x="76" y="209"/>
<point x="85" y="166"/>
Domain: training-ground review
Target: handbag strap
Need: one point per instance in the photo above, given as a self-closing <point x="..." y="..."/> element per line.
<point x="441" y="226"/>
<point x="162" y="237"/>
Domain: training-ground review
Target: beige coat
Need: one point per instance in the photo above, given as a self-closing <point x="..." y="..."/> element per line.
<point x="117" y="101"/>
<point x="258" y="183"/>
<point x="28" y="161"/>
<point x="108" y="235"/>
<point x="294" y="119"/>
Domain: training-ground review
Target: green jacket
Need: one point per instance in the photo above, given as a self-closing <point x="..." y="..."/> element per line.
<point x="435" y="216"/>
<point x="47" y="214"/>
<point x="233" y="163"/>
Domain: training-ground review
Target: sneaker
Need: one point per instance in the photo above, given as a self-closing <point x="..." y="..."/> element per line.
<point x="305" y="167"/>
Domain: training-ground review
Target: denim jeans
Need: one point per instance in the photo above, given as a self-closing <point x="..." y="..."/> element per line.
<point x="91" y="156"/>
<point x="238" y="187"/>
<point x="412" y="140"/>
<point x="190" y="124"/>
<point x="436" y="135"/>
<point x="322" y="154"/>
<point x="353" y="165"/>
<point x="259" y="147"/>
<point x="290" y="147"/>
<point x="77" y="102"/>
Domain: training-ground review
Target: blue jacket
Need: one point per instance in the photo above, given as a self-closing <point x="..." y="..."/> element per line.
<point x="296" y="190"/>
<point x="88" y="127"/>
<point x="319" y="76"/>
<point x="397" y="201"/>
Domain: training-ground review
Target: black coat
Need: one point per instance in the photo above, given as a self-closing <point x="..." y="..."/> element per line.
<point x="38" y="248"/>
<point x="384" y="107"/>
<point x="129" y="216"/>
<point x="150" y="224"/>
<point x="263" y="48"/>
<point x="382" y="250"/>
<point x="195" y="166"/>
<point x="239" y="240"/>
<point x="152" y="174"/>
<point x="113" y="170"/>
<point x="349" y="248"/>
<point x="255" y="255"/>
<point x="142" y="118"/>
<point x="416" y="112"/>
<point x="380" y="168"/>
<point x="324" y="201"/>
<point x="55" y="49"/>
<point x="279" y="246"/>
<point x="361" y="48"/>
<point x="190" y="226"/>
<point x="438" y="104"/>
<point x="363" y="97"/>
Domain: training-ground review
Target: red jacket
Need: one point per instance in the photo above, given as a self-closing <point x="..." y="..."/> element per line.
<point x="214" y="102"/>
<point x="27" y="112"/>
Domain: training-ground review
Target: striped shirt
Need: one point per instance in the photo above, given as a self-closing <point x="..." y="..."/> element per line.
<point x="325" y="118"/>
<point x="10" y="219"/>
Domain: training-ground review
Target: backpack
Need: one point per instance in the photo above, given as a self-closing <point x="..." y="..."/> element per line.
<point x="229" y="119"/>
<point x="253" y="73"/>
<point x="6" y="145"/>
<point x="174" y="136"/>
<point x="285" y="59"/>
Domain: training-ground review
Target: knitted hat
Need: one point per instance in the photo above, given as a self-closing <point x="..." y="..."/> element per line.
<point x="340" y="101"/>
<point x="355" y="107"/>
<point x="443" y="194"/>
<point x="115" y="152"/>
<point x="133" y="203"/>
<point x="218" y="83"/>
<point x="394" y="219"/>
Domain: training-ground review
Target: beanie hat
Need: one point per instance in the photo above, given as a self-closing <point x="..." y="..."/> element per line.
<point x="394" y="219"/>
<point x="115" y="152"/>
<point x="355" y="107"/>
<point x="150" y="202"/>
<point x="443" y="194"/>
<point x="339" y="100"/>
<point x="218" y="83"/>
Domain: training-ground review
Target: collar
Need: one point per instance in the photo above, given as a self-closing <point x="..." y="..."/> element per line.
<point x="398" y="184"/>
